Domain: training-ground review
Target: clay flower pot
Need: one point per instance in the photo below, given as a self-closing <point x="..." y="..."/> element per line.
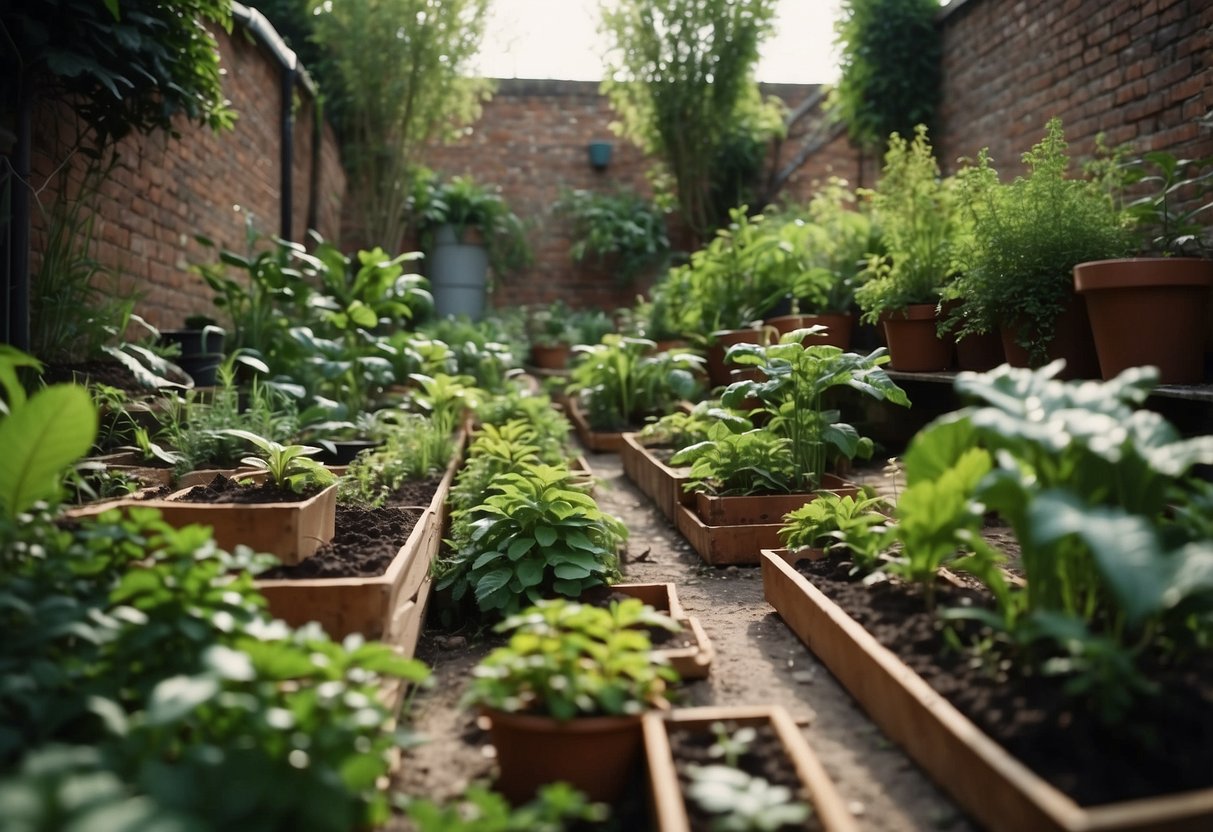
<point x="914" y="345"/>
<point x="597" y="755"/>
<point x="550" y="356"/>
<point x="1148" y="310"/>
<point x="1071" y="341"/>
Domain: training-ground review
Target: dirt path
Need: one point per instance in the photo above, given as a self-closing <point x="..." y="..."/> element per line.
<point x="758" y="661"/>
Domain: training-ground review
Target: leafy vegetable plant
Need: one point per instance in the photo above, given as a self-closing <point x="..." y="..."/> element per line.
<point x="288" y="466"/>
<point x="623" y="380"/>
<point x="836" y="523"/>
<point x="565" y="659"/>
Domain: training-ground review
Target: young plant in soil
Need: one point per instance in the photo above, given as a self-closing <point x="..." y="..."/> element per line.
<point x="680" y="430"/>
<point x="795" y="382"/>
<point x="289" y="467"/>
<point x="623" y="381"/>
<point x="537" y="535"/>
<point x="557" y="807"/>
<point x="730" y="464"/>
<point x="566" y="659"/>
<point x="836" y="523"/>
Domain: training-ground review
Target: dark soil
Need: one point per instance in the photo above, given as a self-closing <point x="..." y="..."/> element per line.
<point x="764" y="758"/>
<point x="226" y="490"/>
<point x="110" y="373"/>
<point x="365" y="540"/>
<point x="1163" y="746"/>
<point x="659" y="637"/>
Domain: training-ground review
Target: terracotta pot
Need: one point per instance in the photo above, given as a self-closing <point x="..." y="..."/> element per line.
<point x="596" y="755"/>
<point x="550" y="356"/>
<point x="838" y="328"/>
<point x="1148" y="311"/>
<point x="718" y="370"/>
<point x="1071" y="340"/>
<point x="979" y="352"/>
<point x="914" y="345"/>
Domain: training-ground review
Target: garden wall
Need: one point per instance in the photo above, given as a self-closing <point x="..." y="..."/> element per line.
<point x="165" y="190"/>
<point x="531" y="141"/>
<point x="1140" y="71"/>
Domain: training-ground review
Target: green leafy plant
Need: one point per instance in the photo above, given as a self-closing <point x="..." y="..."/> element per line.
<point x="890" y="68"/>
<point x="413" y="448"/>
<point x="755" y="461"/>
<point x="1168" y="219"/>
<point x="622" y="380"/>
<point x="537" y="534"/>
<point x="920" y="227"/>
<point x="740" y="802"/>
<point x="1097" y="494"/>
<point x="43" y="434"/>
<point x="565" y="659"/>
<point x="556" y="807"/>
<point x="467" y="206"/>
<point x="796" y="381"/>
<point x="1026" y="238"/>
<point x="840" y="523"/>
<point x="623" y="229"/>
<point x="447" y="399"/>
<point x="679" y="430"/>
<point x="288" y="466"/>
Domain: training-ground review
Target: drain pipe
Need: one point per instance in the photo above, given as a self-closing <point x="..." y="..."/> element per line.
<point x="292" y="73"/>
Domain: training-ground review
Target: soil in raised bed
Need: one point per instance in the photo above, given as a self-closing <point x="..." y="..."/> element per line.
<point x="109" y="373"/>
<point x="226" y="490"/>
<point x="365" y="540"/>
<point x="765" y="758"/>
<point x="1163" y="746"/>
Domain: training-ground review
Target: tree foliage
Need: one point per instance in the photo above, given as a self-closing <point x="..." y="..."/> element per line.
<point x="396" y="78"/>
<point x="127" y="65"/>
<point x="890" y="68"/>
<point x="681" y="77"/>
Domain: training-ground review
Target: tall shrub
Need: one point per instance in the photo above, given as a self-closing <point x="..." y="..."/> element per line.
<point x="681" y="77"/>
<point x="890" y="68"/>
<point x="396" y="75"/>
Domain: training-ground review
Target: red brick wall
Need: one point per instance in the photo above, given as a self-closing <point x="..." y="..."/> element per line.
<point x="1140" y="71"/>
<point x="166" y="190"/>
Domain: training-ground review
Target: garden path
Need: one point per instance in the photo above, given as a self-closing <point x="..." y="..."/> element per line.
<point x="758" y="661"/>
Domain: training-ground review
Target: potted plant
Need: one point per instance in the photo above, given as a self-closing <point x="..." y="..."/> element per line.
<point x="1162" y="295"/>
<point x="1027" y="236"/>
<point x="623" y="230"/>
<point x="920" y="225"/>
<point x="565" y="695"/>
<point x="466" y="229"/>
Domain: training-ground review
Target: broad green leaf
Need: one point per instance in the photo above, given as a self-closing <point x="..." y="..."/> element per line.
<point x="545" y="535"/>
<point x="177" y="696"/>
<point x="54" y="428"/>
<point x="490" y="582"/>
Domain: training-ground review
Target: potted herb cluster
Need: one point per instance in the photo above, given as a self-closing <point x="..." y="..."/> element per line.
<point x="1160" y="297"/>
<point x="921" y="228"/>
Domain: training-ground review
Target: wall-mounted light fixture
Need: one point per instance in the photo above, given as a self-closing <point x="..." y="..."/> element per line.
<point x="600" y="155"/>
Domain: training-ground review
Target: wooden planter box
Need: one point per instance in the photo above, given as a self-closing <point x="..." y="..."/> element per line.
<point x="668" y="808"/>
<point x="291" y="531"/>
<point x="132" y="465"/>
<point x="390" y="606"/>
<point x="596" y="441"/>
<point x="694" y="662"/>
<point x="732" y="530"/>
<point x="658" y="481"/>
<point x="991" y="785"/>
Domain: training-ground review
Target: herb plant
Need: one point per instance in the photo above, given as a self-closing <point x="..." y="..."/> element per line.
<point x="565" y="659"/>
<point x="840" y="524"/>
<point x="289" y="466"/>
<point x="679" y="430"/>
<point x="756" y="461"/>
<point x="623" y="229"/>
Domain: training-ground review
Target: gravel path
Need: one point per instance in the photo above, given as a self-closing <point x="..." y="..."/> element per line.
<point x="758" y="661"/>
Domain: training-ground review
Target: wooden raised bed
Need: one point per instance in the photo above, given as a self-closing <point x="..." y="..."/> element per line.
<point x="668" y="808"/>
<point x="730" y="531"/>
<point x="390" y="606"/>
<point x="694" y="662"/>
<point x="658" y="481"/>
<point x="596" y="441"/>
<point x="993" y="786"/>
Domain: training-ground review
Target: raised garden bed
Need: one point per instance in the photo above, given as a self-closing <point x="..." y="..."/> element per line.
<point x="693" y="661"/>
<point x="994" y="786"/>
<point x="389" y="606"/>
<point x="596" y="441"/>
<point x="788" y="756"/>
<point x="661" y="483"/>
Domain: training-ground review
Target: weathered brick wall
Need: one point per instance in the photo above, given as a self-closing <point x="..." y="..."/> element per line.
<point x="1140" y="71"/>
<point x="166" y="190"/>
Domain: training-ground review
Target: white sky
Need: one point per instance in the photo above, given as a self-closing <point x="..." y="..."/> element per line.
<point x="559" y="39"/>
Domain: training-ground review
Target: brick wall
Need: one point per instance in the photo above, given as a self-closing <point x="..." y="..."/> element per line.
<point x="1140" y="71"/>
<point x="166" y="190"/>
